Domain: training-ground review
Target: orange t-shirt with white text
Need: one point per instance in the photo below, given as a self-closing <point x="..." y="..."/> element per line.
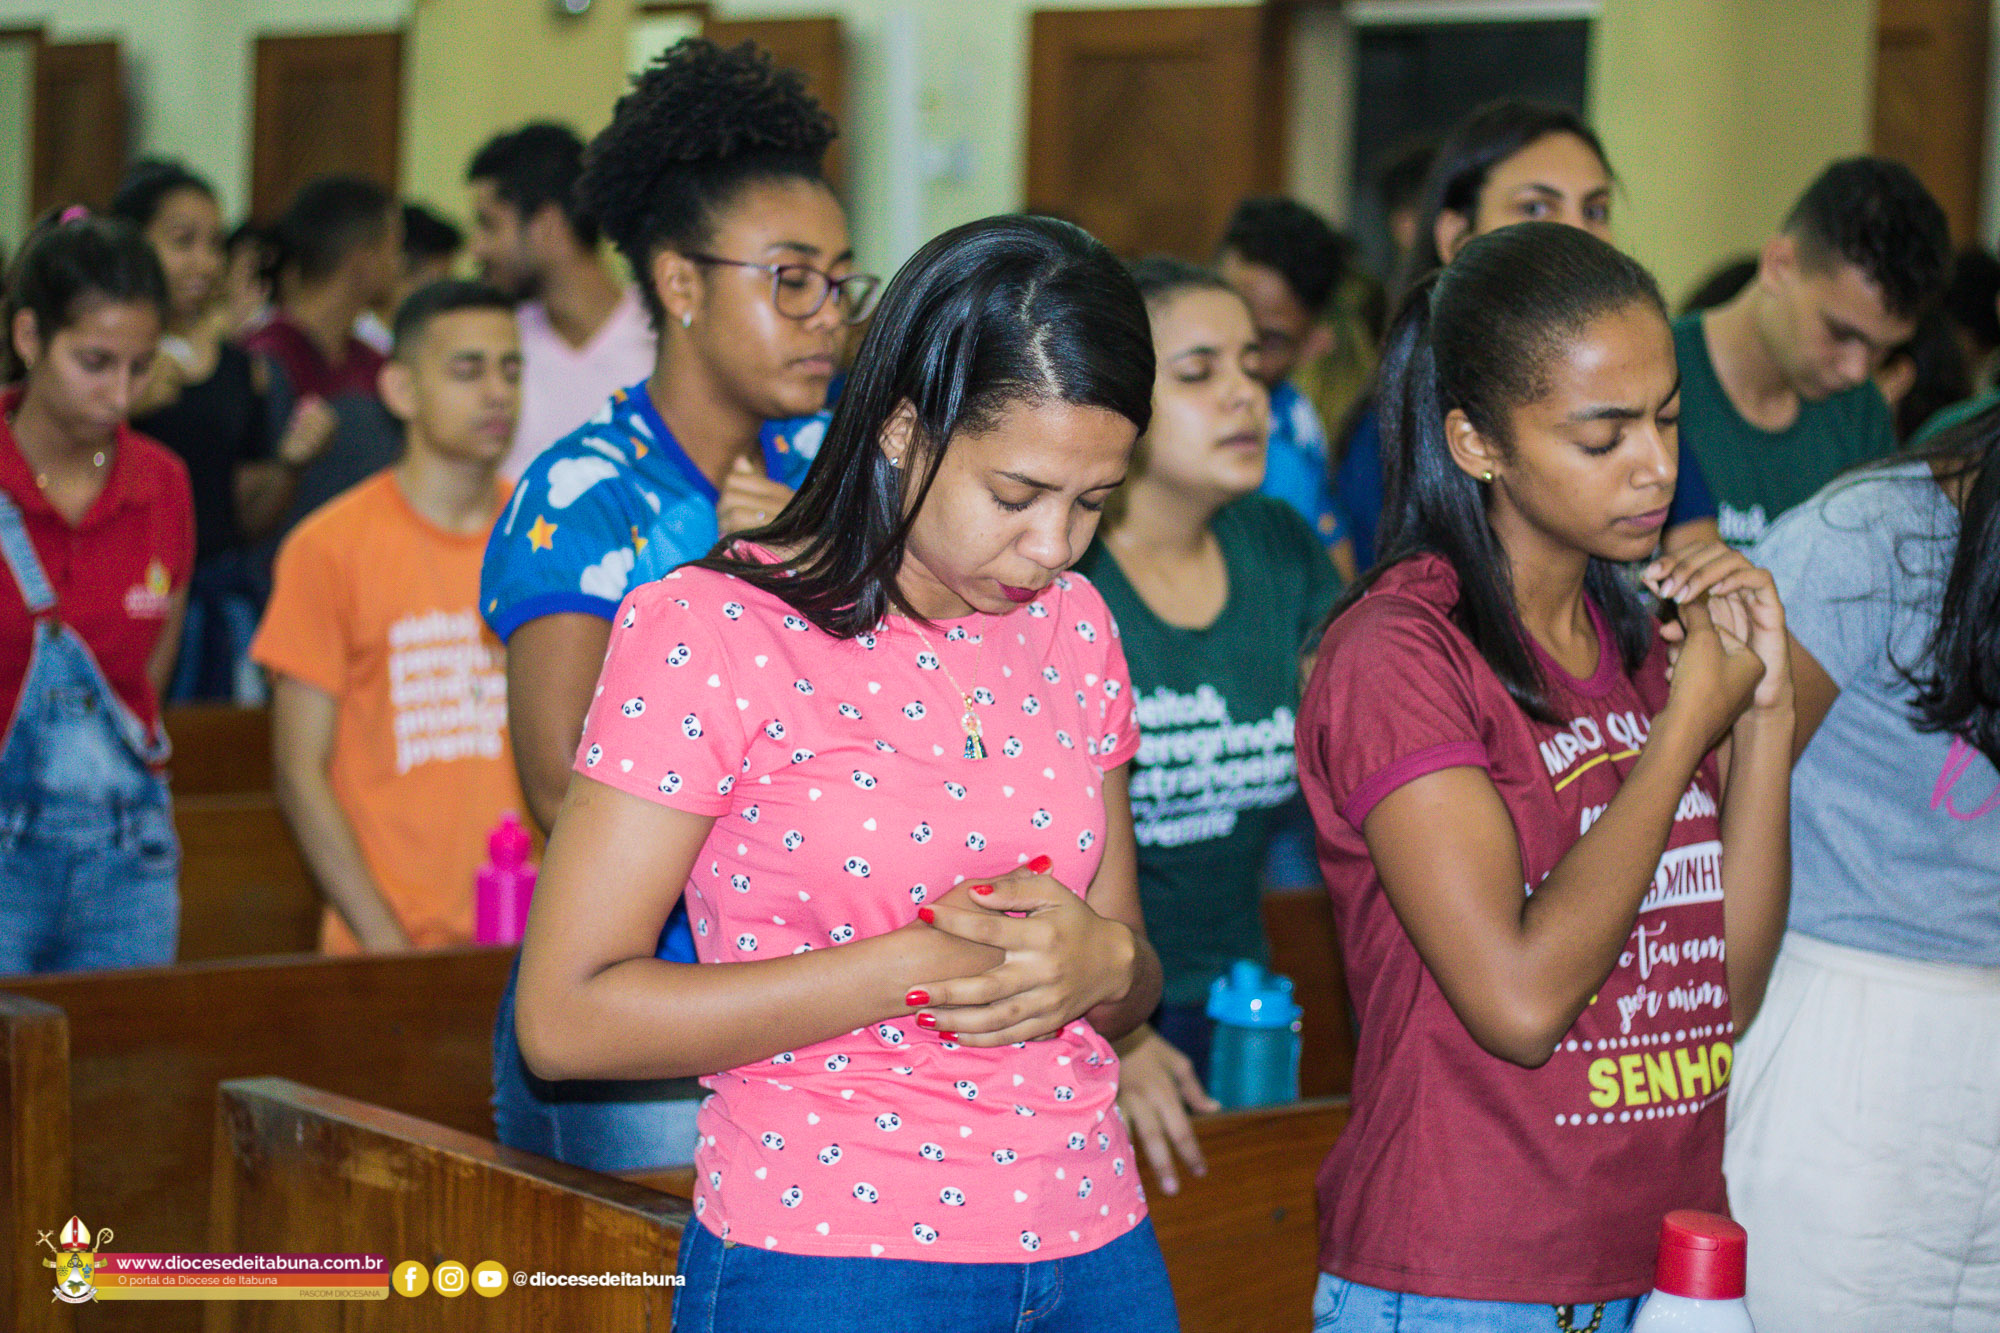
<point x="379" y="607"/>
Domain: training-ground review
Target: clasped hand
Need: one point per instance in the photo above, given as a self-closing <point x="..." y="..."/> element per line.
<point x="1060" y="960"/>
<point x="1729" y="651"/>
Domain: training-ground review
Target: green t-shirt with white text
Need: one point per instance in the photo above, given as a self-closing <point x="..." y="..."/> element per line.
<point x="1756" y="474"/>
<point x="1216" y="708"/>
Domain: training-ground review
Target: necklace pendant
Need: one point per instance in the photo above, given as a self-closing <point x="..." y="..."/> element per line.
<point x="975" y="748"/>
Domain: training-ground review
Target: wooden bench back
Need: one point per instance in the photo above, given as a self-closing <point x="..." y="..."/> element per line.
<point x="219" y="749"/>
<point x="147" y="1048"/>
<point x="302" y="1171"/>
<point x="245" y="891"/>
<point x="34" y="1160"/>
<point x="1299" y="925"/>
<point x="1242" y="1242"/>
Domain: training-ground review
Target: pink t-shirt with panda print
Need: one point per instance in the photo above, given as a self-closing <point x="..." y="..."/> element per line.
<point x="835" y="771"/>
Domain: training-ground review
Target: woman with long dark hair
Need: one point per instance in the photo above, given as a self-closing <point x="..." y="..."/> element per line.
<point x="96" y="546"/>
<point x="1862" y="1137"/>
<point x="881" y="745"/>
<point x="1540" y="1074"/>
<point x="207" y="400"/>
<point x="1509" y="161"/>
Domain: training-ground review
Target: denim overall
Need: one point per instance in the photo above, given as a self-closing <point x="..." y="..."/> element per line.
<point x="88" y="858"/>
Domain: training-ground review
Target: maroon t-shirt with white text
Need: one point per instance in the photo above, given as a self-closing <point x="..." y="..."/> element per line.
<point x="1461" y="1174"/>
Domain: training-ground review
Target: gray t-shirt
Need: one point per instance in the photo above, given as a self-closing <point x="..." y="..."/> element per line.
<point x="1895" y="831"/>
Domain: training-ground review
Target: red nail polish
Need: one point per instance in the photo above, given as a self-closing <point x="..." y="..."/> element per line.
<point x="926" y="915"/>
<point x="917" y="997"/>
<point x="1041" y="865"/>
<point x="982" y="889"/>
<point x="926" y="1020"/>
<point x="948" y="1036"/>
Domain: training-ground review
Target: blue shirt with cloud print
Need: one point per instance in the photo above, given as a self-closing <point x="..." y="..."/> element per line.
<point x="613" y="504"/>
<point x="1295" y="463"/>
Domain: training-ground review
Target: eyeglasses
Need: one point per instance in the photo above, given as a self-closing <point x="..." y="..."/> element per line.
<point x="799" y="290"/>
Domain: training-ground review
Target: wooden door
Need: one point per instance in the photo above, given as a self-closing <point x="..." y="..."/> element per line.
<point x="1148" y="126"/>
<point x="80" y="124"/>
<point x="1930" y="99"/>
<point x="812" y="46"/>
<point x="324" y="104"/>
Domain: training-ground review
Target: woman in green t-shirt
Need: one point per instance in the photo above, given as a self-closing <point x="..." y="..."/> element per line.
<point x="1215" y="590"/>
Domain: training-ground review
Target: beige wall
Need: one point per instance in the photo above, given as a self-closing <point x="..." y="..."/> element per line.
<point x="479" y="65"/>
<point x="1715" y="112"/>
<point x="1718" y="113"/>
<point x="17" y="63"/>
<point x="188" y="63"/>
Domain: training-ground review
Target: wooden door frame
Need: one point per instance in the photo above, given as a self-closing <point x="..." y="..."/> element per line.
<point x="38" y="201"/>
<point x="1043" y="177"/>
<point x="264" y="164"/>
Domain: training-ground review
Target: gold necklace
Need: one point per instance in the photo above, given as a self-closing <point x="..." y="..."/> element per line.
<point x="975" y="742"/>
<point x="41" y="477"/>
<point x="96" y="465"/>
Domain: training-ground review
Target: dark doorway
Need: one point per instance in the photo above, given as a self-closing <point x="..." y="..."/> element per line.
<point x="1414" y="81"/>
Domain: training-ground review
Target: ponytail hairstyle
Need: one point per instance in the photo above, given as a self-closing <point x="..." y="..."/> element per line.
<point x="990" y="314"/>
<point x="699" y="124"/>
<point x="1478" y="336"/>
<point x="1958" y="679"/>
<point x="1479" y="143"/>
<point x="69" y="260"/>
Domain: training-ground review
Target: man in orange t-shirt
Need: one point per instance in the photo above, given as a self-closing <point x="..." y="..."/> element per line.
<point x="389" y="706"/>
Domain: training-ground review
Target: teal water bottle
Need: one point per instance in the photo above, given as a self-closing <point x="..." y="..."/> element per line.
<point x="1254" y="1060"/>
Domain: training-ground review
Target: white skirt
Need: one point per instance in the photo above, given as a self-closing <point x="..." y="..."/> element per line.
<point x="1864" y="1145"/>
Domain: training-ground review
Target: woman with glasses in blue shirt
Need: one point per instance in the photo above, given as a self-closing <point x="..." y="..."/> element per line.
<point x="709" y="182"/>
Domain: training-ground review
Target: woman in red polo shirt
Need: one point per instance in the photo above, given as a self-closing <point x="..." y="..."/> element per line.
<point x="97" y="542"/>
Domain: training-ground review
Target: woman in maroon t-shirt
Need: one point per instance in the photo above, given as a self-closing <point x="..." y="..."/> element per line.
<point x="1540" y="1076"/>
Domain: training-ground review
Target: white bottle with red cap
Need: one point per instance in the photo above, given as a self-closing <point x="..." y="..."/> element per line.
<point x="1698" y="1283"/>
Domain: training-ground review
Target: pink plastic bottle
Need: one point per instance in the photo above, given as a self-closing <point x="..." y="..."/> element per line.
<point x="506" y="884"/>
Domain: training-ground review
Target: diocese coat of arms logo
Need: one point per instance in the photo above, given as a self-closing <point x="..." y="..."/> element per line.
<point x="75" y="1261"/>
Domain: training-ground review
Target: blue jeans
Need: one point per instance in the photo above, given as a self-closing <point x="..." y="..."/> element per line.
<point x="1189" y="1030"/>
<point x="1117" y="1288"/>
<point x="1292" y="861"/>
<point x="84" y="887"/>
<point x="1340" y="1306"/>
<point x="603" y="1124"/>
<point x="223" y="605"/>
<point x="89" y="864"/>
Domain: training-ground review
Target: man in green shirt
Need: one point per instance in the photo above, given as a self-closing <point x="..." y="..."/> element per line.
<point x="1776" y="395"/>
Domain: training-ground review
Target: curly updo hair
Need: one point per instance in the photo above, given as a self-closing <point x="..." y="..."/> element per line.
<point x="698" y="125"/>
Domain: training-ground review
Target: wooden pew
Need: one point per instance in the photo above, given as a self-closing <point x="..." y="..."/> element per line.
<point x="34" y="1160"/>
<point x="298" y="1170"/>
<point x="244" y="889"/>
<point x="219" y="749"/>
<point x="147" y="1048"/>
<point x="1299" y="925"/>
<point x="1242" y="1242"/>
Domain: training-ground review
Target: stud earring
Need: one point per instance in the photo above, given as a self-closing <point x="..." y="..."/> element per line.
<point x="1486" y="475"/>
<point x="687" y="320"/>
